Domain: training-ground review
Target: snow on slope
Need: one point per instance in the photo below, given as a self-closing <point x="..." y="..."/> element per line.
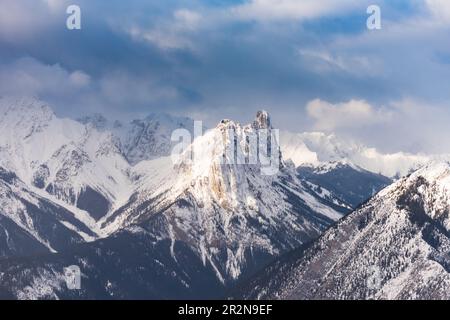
<point x="74" y="162"/>
<point x="149" y="138"/>
<point x="316" y="148"/>
<point x="348" y="182"/>
<point x="227" y="212"/>
<point x="85" y="162"/>
<point x="211" y="221"/>
<point x="230" y="216"/>
<point x="142" y="139"/>
<point x="83" y="166"/>
<point x="31" y="224"/>
<point x="397" y="246"/>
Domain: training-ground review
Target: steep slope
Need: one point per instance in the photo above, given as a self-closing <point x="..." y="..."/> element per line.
<point x="225" y="207"/>
<point x="396" y="246"/>
<point x="90" y="164"/>
<point x="150" y="138"/>
<point x="31" y="224"/>
<point x="131" y="264"/>
<point x="75" y="163"/>
<point x="214" y="216"/>
<point x="142" y="139"/>
<point x="347" y="182"/>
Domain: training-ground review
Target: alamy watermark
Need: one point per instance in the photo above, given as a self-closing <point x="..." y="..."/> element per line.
<point x="252" y="147"/>
<point x="73" y="21"/>
<point x="374" y="20"/>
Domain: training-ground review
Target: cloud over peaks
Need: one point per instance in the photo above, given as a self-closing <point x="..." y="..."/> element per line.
<point x="351" y="114"/>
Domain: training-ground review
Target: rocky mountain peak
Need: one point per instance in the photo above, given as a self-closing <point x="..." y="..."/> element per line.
<point x="262" y="120"/>
<point x="24" y="110"/>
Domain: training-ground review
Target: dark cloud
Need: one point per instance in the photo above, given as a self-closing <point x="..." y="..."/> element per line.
<point x="215" y="60"/>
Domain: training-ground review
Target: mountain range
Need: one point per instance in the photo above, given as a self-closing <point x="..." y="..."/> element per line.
<point x="109" y="198"/>
<point x="395" y="246"/>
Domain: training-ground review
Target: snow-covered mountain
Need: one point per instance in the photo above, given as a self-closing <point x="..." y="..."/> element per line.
<point x="150" y="138"/>
<point x="214" y="206"/>
<point x="317" y="148"/>
<point x="30" y="223"/>
<point x="396" y="246"/>
<point x="75" y="163"/>
<point x="142" y="139"/>
<point x="84" y="163"/>
<point x="140" y="223"/>
<point x="229" y="201"/>
<point x="349" y="183"/>
<point x="219" y="204"/>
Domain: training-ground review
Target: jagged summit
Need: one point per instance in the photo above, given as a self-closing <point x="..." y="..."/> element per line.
<point x="22" y="103"/>
<point x="262" y="120"/>
<point x="245" y="147"/>
<point x="216" y="213"/>
<point x="26" y="112"/>
<point x="216" y="200"/>
<point x="225" y="122"/>
<point x="150" y="138"/>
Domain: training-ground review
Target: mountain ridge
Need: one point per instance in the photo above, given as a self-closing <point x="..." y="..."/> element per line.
<point x="217" y="205"/>
<point x="396" y="246"/>
<point x="229" y="202"/>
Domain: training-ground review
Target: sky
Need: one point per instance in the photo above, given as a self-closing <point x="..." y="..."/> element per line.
<point x="314" y="65"/>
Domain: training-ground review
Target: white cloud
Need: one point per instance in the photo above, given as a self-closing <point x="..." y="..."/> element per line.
<point x="293" y="9"/>
<point x="351" y="114"/>
<point x="121" y="88"/>
<point x="75" y="92"/>
<point x="172" y="34"/>
<point x="56" y="5"/>
<point x="163" y="39"/>
<point x="325" y="61"/>
<point x="408" y="125"/>
<point x="79" y="78"/>
<point x="27" y="76"/>
<point x="310" y="9"/>
<point x="440" y="9"/>
<point x="187" y="19"/>
<point x="27" y="18"/>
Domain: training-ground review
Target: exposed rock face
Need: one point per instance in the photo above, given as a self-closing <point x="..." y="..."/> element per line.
<point x="209" y="220"/>
<point x="262" y="120"/>
<point x="107" y="198"/>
